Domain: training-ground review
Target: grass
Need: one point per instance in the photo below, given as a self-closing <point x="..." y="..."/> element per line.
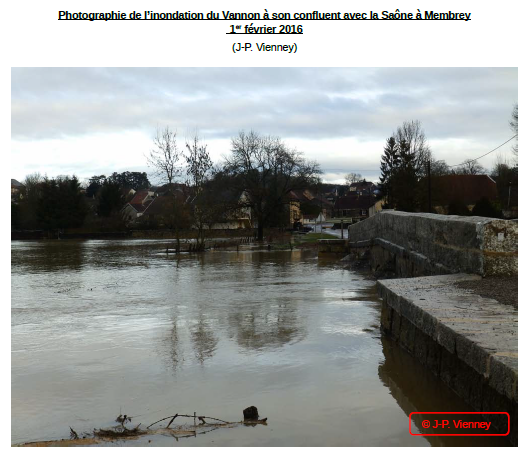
<point x="314" y="237"/>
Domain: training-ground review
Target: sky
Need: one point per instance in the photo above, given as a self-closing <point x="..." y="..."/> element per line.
<point x="96" y="121"/>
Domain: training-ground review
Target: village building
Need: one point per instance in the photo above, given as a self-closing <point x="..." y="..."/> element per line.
<point x="355" y="207"/>
<point x="138" y="205"/>
<point x="362" y="188"/>
<point x="16" y="190"/>
<point x="466" y="189"/>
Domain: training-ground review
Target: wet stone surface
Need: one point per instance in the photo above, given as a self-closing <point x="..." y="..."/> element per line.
<point x="469" y="341"/>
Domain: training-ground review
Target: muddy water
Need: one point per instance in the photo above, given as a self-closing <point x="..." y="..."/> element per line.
<point x="101" y="328"/>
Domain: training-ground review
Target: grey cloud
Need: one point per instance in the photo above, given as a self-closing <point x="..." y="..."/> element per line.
<point x="315" y="103"/>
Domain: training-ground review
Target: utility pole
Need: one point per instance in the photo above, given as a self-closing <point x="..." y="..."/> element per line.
<point x="430" y="192"/>
<point x="509" y="193"/>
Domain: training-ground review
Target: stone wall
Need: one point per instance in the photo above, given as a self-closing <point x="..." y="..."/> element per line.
<point x="336" y="246"/>
<point x="468" y="342"/>
<point x="417" y="244"/>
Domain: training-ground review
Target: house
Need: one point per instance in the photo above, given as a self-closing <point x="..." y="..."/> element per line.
<point x="355" y="207"/>
<point x="312" y="204"/>
<point x="138" y="205"/>
<point x="233" y="217"/>
<point x="294" y="207"/>
<point x="362" y="188"/>
<point x="376" y="208"/>
<point x="128" y="193"/>
<point x="331" y="192"/>
<point x="16" y="190"/>
<point x="158" y="212"/>
<point x="314" y="219"/>
<point x="468" y="189"/>
<point x="325" y="206"/>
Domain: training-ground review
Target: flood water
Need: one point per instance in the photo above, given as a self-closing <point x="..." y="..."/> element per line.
<point x="102" y="328"/>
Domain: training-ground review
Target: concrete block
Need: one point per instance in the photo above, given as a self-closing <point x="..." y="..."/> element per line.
<point x="396" y="325"/>
<point x="445" y="337"/>
<point x="503" y="378"/>
<point x="421" y="347"/>
<point x="433" y="357"/>
<point x="386" y="318"/>
<point x="447" y="371"/>
<point x="427" y="243"/>
<point x="473" y="355"/>
<point x="429" y="324"/>
<point x="407" y="335"/>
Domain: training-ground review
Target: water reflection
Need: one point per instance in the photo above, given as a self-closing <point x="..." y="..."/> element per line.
<point x="55" y="256"/>
<point x="271" y="327"/>
<point x="171" y="348"/>
<point x="416" y="390"/>
<point x="203" y="339"/>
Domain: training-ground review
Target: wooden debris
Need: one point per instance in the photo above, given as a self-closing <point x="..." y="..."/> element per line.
<point x="73" y="434"/>
<point x="251" y="417"/>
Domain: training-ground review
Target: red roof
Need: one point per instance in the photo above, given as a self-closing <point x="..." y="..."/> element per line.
<point x="354" y="202"/>
<point x="466" y="188"/>
<point x="301" y="196"/>
<point x="139" y="197"/>
<point x="362" y="184"/>
<point x="140" y="207"/>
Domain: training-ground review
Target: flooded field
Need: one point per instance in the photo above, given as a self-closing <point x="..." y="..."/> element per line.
<point x="102" y="328"/>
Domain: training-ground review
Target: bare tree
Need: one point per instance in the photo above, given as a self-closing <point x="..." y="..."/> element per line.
<point x="31" y="195"/>
<point x="166" y="158"/>
<point x="471" y="167"/>
<point x="351" y="178"/>
<point x="32" y="181"/>
<point x="439" y="168"/>
<point x="266" y="170"/>
<point x="506" y="177"/>
<point x="514" y="126"/>
<point x="412" y="135"/>
<point x="199" y="166"/>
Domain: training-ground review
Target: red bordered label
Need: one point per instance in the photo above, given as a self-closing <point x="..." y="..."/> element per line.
<point x="458" y="423"/>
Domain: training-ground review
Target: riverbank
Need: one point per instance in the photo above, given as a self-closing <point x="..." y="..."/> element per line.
<point x="502" y="289"/>
<point x="468" y="341"/>
<point x="126" y="234"/>
<point x="102" y="328"/>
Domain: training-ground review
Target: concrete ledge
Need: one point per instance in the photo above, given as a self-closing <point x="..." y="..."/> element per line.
<point x="336" y="246"/>
<point x="436" y="244"/>
<point x="469" y="341"/>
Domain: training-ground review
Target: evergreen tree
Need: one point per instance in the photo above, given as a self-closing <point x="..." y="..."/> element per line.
<point x="61" y="204"/>
<point x="485" y="208"/>
<point x="405" y="179"/>
<point x="95" y="183"/>
<point x="389" y="164"/>
<point x="134" y="180"/>
<point x="110" y="199"/>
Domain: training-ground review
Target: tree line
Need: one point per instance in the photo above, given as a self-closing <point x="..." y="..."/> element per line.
<point x="62" y="203"/>
<point x="258" y="173"/>
<point x="409" y="174"/>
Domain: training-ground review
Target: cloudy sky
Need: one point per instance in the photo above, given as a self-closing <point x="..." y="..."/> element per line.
<point x="91" y="121"/>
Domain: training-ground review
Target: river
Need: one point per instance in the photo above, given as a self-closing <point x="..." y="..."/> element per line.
<point x="101" y="328"/>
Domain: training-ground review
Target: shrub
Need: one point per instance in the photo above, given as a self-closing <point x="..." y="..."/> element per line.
<point x="458" y="207"/>
<point x="485" y="208"/>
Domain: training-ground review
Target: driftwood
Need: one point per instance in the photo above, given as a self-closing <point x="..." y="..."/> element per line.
<point x="200" y="417"/>
<point x="206" y="425"/>
<point x="118" y="432"/>
<point x="73" y="434"/>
